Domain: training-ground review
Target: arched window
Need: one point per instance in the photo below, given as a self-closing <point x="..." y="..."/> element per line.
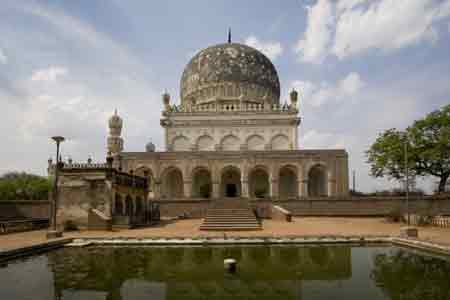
<point x="128" y="206"/>
<point x="205" y="143"/>
<point x="118" y="205"/>
<point x="181" y="143"/>
<point x="259" y="183"/>
<point x="287" y="183"/>
<point x="280" y="142"/>
<point x="255" y="142"/>
<point x="231" y="182"/>
<point x="201" y="184"/>
<point x="231" y="143"/>
<point x="172" y="184"/>
<point x="317" y="181"/>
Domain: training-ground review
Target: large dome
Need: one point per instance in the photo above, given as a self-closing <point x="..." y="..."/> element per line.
<point x="230" y="72"/>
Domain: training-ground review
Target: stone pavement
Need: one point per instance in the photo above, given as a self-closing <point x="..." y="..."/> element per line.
<point x="307" y="226"/>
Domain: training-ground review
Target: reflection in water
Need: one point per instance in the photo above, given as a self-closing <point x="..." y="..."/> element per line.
<point x="407" y="276"/>
<point x="264" y="272"/>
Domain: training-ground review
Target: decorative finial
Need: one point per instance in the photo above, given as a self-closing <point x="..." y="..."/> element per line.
<point x="229" y="35"/>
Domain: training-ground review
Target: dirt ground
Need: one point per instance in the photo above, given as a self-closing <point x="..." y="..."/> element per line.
<point x="305" y="226"/>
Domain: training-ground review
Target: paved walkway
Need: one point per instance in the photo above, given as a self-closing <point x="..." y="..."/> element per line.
<point x="308" y="226"/>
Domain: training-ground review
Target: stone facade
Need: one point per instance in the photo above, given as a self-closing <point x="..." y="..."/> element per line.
<point x="229" y="137"/>
<point x="278" y="174"/>
<point x="95" y="196"/>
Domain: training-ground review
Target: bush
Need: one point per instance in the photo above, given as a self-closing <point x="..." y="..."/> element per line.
<point x="23" y="186"/>
<point x="69" y="225"/>
<point x="395" y="215"/>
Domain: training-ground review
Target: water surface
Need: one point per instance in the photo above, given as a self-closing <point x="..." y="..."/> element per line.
<point x="264" y="272"/>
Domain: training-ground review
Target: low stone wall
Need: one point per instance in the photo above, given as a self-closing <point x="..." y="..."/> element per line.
<point x="27" y="209"/>
<point x="365" y="206"/>
<point x="351" y="206"/>
<point x="192" y="208"/>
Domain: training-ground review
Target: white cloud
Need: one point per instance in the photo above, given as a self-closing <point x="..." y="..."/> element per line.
<point x="318" y="94"/>
<point x="3" y="57"/>
<point x="49" y="74"/>
<point x="271" y="49"/>
<point x="313" y="139"/>
<point x="351" y="27"/>
<point x="315" y="42"/>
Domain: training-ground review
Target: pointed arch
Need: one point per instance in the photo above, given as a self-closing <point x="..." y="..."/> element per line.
<point x="288" y="182"/>
<point x="255" y="142"/>
<point x="172" y="183"/>
<point x="317" y="181"/>
<point x="205" y="143"/>
<point x="230" y="143"/>
<point x="230" y="181"/>
<point x="201" y="183"/>
<point x="280" y="142"/>
<point x="181" y="143"/>
<point x="259" y="182"/>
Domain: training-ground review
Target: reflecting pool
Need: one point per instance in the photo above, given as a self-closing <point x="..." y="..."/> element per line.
<point x="264" y="272"/>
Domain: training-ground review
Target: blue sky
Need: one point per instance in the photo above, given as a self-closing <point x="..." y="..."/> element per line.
<point x="362" y="66"/>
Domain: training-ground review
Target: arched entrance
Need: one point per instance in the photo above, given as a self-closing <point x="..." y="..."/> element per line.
<point x="259" y="183"/>
<point x="118" y="206"/>
<point x="201" y="184"/>
<point x="172" y="184"/>
<point x="147" y="173"/>
<point x="287" y="183"/>
<point x="317" y="181"/>
<point x="231" y="182"/>
<point x="128" y="206"/>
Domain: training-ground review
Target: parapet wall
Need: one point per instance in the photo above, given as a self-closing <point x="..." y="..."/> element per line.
<point x="333" y="207"/>
<point x="28" y="209"/>
<point x="365" y="206"/>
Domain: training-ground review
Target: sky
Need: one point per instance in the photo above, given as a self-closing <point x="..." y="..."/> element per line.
<point x="361" y="67"/>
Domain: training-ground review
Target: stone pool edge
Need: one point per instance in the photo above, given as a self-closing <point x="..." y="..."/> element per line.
<point x="37" y="248"/>
<point x="6" y="255"/>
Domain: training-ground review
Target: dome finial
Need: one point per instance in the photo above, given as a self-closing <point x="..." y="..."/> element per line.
<point x="229" y="35"/>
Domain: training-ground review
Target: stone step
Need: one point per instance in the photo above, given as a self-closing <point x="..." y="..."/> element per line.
<point x="231" y="222"/>
<point x="221" y="216"/>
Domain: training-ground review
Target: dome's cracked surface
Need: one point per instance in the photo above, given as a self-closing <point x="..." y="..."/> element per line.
<point x="228" y="72"/>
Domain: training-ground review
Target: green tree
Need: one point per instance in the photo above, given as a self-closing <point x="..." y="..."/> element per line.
<point x="428" y="142"/>
<point x="23" y="186"/>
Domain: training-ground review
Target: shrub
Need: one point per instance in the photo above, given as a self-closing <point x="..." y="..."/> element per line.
<point x="395" y="215"/>
<point x="69" y="225"/>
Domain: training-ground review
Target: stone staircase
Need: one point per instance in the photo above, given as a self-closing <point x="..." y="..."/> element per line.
<point x="230" y="214"/>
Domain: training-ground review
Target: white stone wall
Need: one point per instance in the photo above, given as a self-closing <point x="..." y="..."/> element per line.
<point x="231" y="138"/>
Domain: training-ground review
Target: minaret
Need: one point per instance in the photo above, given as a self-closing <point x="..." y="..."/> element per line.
<point x="294" y="98"/>
<point x="115" y="142"/>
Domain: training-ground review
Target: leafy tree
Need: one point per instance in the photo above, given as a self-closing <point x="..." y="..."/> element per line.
<point x="23" y="186"/>
<point x="428" y="142"/>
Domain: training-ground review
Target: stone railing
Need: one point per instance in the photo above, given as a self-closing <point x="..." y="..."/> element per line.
<point x="441" y="221"/>
<point x="85" y="165"/>
<point x="229" y="108"/>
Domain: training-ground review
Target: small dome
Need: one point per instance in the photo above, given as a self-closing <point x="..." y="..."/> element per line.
<point x="115" y="124"/>
<point x="150" y="147"/>
<point x="115" y="120"/>
<point x="230" y="71"/>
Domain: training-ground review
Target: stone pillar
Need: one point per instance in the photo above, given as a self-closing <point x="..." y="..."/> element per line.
<point x="331" y="187"/>
<point x="124" y="207"/>
<point x="133" y="209"/>
<point x="215" y="189"/>
<point x="304" y="187"/>
<point x="274" y="189"/>
<point x="157" y="190"/>
<point x="187" y="189"/>
<point x="244" y="188"/>
<point x="301" y="192"/>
